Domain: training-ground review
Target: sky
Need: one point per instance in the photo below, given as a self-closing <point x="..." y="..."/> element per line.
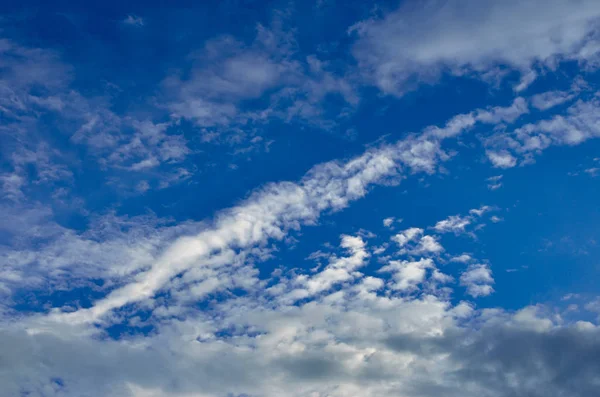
<point x="248" y="198"/>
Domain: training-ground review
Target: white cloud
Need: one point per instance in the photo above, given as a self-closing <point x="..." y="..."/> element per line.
<point x="593" y="306"/>
<point x="550" y="99"/>
<point x="352" y="341"/>
<point x="333" y="332"/>
<point x="271" y="212"/>
<point x="39" y="83"/>
<point x="463" y="258"/>
<point x="455" y="224"/>
<point x="427" y="244"/>
<point x="388" y="222"/>
<point x="478" y="280"/>
<point x="526" y="79"/>
<point x="480" y="211"/>
<point x="501" y="159"/>
<point x="11" y="186"/>
<point x="407" y="275"/>
<point x="508" y="114"/>
<point x="421" y="39"/>
<point x="339" y="270"/>
<point x="494" y="182"/>
<point x="579" y="124"/>
<point x="407" y="235"/>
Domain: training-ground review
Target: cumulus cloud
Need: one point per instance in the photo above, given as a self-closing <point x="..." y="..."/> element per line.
<point x="408" y="275"/>
<point x="407" y="235"/>
<point x="388" y="222"/>
<point x="478" y="280"/>
<point x="501" y="159"/>
<point x="339" y="270"/>
<point x="200" y="317"/>
<point x="352" y="341"/>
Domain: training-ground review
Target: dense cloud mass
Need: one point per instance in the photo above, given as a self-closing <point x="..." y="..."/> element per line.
<point x="246" y="212"/>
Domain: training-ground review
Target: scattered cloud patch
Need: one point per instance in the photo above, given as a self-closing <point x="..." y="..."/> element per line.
<point x="478" y="280"/>
<point x="455" y="224"/>
<point x="134" y="20"/>
<point x="494" y="182"/>
<point x="463" y="258"/>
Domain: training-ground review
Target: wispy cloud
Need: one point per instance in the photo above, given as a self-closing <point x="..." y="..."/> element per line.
<point x="134" y="20"/>
<point x="417" y="42"/>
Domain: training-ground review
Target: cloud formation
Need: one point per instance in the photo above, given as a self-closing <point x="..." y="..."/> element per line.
<point x="102" y="296"/>
<point x="420" y="40"/>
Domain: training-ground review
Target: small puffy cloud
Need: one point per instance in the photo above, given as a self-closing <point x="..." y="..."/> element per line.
<point x="407" y="275"/>
<point x="455" y="224"/>
<point x="389" y="222"/>
<point x="501" y="159"/>
<point x="427" y="244"/>
<point x="407" y="235"/>
<point x="478" y="280"/>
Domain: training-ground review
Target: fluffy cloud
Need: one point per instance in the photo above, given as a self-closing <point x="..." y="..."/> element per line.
<point x="407" y="235"/>
<point x="408" y="275"/>
<point x="420" y="40"/>
<point x="478" y="280"/>
<point x="347" y="342"/>
<point x="455" y="224"/>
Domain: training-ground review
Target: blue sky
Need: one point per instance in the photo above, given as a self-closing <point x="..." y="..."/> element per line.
<point x="312" y="199"/>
